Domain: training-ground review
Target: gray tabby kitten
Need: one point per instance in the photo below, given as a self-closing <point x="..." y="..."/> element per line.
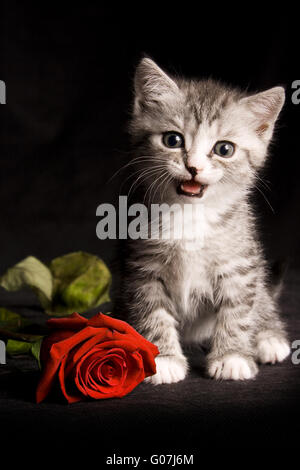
<point x="202" y="143"/>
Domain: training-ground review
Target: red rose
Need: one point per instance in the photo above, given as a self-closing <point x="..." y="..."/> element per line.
<point x="99" y="358"/>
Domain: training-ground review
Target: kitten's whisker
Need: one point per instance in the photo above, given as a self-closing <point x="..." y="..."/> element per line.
<point x="146" y="173"/>
<point x="141" y="158"/>
<point x="166" y="182"/>
<point x="158" y="167"/>
<point x="152" y="186"/>
<point x="149" y="188"/>
<point x="265" y="198"/>
<point x="263" y="182"/>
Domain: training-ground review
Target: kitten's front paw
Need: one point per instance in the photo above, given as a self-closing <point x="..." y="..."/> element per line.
<point x="232" y="367"/>
<point x="169" y="369"/>
<point x="273" y="349"/>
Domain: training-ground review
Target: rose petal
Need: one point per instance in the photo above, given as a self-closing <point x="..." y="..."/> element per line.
<point x="62" y="380"/>
<point x="65" y="375"/>
<point x="57" y="352"/>
<point x="85" y="352"/>
<point x="147" y="354"/>
<point x="95" y="375"/>
<point x="48" y="341"/>
<point x="136" y="373"/>
<point x="98" y="357"/>
<point x="101" y="391"/>
<point x="112" y="370"/>
<point x="101" y="320"/>
<point x="71" y="322"/>
<point x="108" y="372"/>
<point x="104" y="335"/>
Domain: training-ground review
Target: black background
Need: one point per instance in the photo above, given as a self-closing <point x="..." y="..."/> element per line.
<point x="68" y="72"/>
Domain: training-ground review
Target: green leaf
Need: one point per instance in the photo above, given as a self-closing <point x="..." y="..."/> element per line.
<point x="12" y="321"/>
<point x="30" y="272"/>
<point x="16" y="348"/>
<point x="11" y="325"/>
<point x="36" y="350"/>
<point x="75" y="282"/>
<point x="81" y="282"/>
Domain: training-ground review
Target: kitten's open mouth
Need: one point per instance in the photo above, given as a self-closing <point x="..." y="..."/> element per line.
<point x="191" y="188"/>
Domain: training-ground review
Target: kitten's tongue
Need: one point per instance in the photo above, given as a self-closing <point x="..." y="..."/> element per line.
<point x="191" y="187"/>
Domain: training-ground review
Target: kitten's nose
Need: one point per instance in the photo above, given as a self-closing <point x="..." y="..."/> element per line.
<point x="192" y="170"/>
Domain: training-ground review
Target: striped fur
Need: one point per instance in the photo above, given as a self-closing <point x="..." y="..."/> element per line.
<point x="211" y="288"/>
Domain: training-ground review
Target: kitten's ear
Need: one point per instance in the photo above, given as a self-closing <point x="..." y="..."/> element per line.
<point x="265" y="107"/>
<point x="151" y="84"/>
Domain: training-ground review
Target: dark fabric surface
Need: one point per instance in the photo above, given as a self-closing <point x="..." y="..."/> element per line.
<point x="69" y="79"/>
<point x="264" y="412"/>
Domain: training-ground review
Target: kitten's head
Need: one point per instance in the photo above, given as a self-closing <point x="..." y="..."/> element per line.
<point x="199" y="140"/>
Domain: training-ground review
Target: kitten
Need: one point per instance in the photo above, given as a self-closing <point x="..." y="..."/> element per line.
<point x="202" y="143"/>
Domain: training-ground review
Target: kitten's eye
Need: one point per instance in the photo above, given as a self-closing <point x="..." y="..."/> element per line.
<point x="224" y="149"/>
<point x="173" y="140"/>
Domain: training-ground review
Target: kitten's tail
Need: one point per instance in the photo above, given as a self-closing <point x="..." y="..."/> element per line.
<point x="278" y="272"/>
